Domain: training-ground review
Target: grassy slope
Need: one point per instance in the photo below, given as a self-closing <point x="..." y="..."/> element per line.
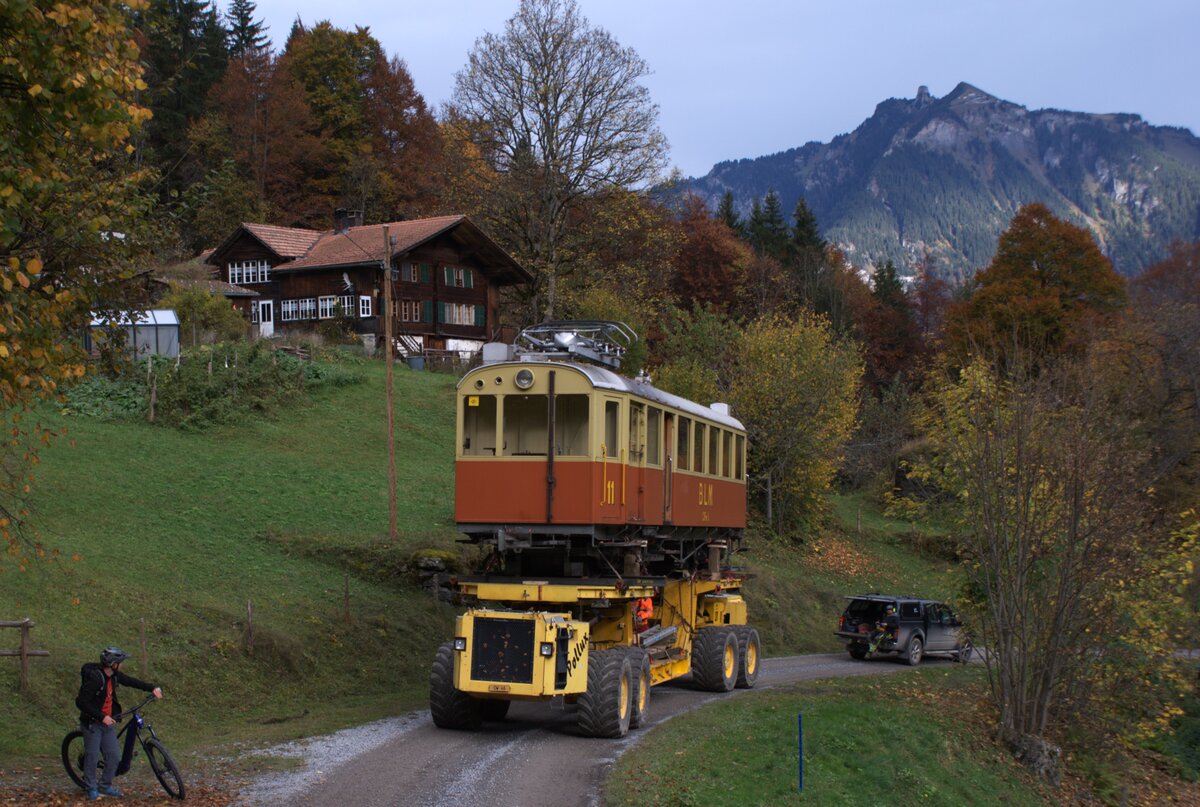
<point x="866" y="742"/>
<point x="181" y="529"/>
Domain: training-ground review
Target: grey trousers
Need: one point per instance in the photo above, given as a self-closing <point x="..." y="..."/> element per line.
<point x="98" y="737"/>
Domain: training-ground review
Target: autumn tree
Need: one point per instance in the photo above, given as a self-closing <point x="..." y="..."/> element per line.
<point x="1062" y="550"/>
<point x="71" y="205"/>
<point x="711" y="266"/>
<point x="377" y="138"/>
<point x="1047" y="280"/>
<point x="556" y="107"/>
<point x="794" y="386"/>
<point x="696" y="355"/>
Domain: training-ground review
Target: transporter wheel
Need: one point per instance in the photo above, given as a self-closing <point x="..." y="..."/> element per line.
<point x="606" y="708"/>
<point x="639" y="665"/>
<point x="492" y="710"/>
<point x="857" y="652"/>
<point x="714" y="659"/>
<point x="450" y="708"/>
<point x="749" y="656"/>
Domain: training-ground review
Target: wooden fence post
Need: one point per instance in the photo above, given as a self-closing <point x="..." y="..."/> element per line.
<point x="250" y="627"/>
<point x="25" y="655"/>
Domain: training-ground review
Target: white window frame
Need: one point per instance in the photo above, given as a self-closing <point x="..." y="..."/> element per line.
<point x="410" y="310"/>
<point x="289" y="310"/>
<point x="326" y="306"/>
<point x="346" y="301"/>
<point x="245" y="272"/>
<point x="254" y="311"/>
<point x="307" y="308"/>
<point x="460" y="313"/>
<point x="408" y="272"/>
<point x="365" y="306"/>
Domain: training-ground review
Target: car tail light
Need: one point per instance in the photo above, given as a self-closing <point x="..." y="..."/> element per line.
<point x="841" y="622"/>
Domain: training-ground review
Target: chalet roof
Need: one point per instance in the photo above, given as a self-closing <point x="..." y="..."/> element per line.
<point x="363" y="246"/>
<point x="213" y="287"/>
<point x="286" y="242"/>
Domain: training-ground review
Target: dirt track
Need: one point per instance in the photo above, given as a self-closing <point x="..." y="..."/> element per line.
<point x="535" y="758"/>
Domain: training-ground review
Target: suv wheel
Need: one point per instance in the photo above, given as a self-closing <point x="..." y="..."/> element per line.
<point x="915" y="650"/>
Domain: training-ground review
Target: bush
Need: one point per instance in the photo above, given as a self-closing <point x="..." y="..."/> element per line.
<point x="105" y="398"/>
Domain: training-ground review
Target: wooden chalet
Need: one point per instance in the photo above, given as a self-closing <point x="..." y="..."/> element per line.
<point x="445" y="290"/>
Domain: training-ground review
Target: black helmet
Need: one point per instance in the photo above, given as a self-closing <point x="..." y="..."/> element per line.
<point x="112" y="655"/>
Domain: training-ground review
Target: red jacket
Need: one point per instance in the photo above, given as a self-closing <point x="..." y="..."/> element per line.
<point x="92" y="690"/>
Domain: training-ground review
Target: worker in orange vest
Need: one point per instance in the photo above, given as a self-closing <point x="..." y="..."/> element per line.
<point x="643" y="609"/>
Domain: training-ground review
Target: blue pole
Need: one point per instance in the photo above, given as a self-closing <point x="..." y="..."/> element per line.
<point x="800" y="749"/>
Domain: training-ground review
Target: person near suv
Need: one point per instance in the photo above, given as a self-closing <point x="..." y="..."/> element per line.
<point x="910" y="627"/>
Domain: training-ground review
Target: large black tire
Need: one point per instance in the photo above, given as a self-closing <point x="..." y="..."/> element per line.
<point x="857" y="652"/>
<point x="749" y="656"/>
<point x="606" y="708"/>
<point x="72" y="756"/>
<point x="449" y="707"/>
<point x="714" y="659"/>
<point x="165" y="769"/>
<point x="916" y="649"/>
<point x="964" y="651"/>
<point x="639" y="666"/>
<point x="492" y="710"/>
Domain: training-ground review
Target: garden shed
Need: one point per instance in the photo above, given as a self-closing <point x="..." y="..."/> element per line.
<point x="147" y="333"/>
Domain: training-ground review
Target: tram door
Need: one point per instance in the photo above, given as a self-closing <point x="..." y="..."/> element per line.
<point x="612" y="462"/>
<point x="668" y="466"/>
<point x="635" y="487"/>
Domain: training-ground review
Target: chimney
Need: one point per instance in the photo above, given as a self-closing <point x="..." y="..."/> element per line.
<point x="344" y="219"/>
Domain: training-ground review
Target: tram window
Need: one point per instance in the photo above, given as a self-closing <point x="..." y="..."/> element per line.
<point x="682" y="452"/>
<point x="637" y="441"/>
<point x="525" y="425"/>
<point x="714" y="442"/>
<point x="612" y="410"/>
<point x="571" y="425"/>
<point x="698" y="446"/>
<point x="726" y="453"/>
<point x="479" y="426"/>
<point x="739" y="461"/>
<point x="653" y="436"/>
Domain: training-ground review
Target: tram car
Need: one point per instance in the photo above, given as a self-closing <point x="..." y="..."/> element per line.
<point x="570" y="469"/>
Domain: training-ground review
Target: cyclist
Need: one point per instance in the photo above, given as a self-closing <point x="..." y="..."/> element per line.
<point x="97" y="702"/>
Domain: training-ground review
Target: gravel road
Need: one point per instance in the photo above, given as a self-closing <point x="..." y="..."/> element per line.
<point x="535" y="758"/>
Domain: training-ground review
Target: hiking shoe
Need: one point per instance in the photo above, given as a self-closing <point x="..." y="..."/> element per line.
<point x="110" y="790"/>
<point x="93" y="794"/>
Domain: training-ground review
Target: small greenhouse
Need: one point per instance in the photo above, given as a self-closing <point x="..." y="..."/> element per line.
<point x="148" y="333"/>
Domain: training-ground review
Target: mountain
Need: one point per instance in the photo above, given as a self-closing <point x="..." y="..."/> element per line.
<point x="944" y="176"/>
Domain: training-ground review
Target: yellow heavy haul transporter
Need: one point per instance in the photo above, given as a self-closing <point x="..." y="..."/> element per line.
<point x="608" y="511"/>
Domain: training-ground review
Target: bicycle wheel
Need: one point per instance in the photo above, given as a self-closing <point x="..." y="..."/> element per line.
<point x="164" y="768"/>
<point x="72" y="756"/>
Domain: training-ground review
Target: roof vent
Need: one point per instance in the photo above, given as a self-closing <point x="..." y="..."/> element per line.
<point x="720" y="408"/>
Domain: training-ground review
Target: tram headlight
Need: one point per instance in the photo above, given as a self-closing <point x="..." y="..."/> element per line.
<point x="547" y="649"/>
<point x="460" y="643"/>
<point x="524" y="379"/>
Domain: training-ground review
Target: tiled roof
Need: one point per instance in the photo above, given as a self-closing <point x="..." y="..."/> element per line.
<point x="287" y="242"/>
<point x="364" y="244"/>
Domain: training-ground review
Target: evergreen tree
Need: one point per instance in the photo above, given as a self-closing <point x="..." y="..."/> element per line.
<point x="768" y="231"/>
<point x="184" y="56"/>
<point x="888" y="289"/>
<point x="805" y="233"/>
<point x="727" y="214"/>
<point x="247" y="36"/>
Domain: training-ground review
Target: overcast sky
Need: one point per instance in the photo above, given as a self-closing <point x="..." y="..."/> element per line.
<point x="743" y="79"/>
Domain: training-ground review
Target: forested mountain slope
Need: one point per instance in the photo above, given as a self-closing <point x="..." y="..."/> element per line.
<point x="944" y="176"/>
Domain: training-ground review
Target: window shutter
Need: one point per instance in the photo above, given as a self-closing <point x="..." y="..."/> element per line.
<point x="427" y="311"/>
<point x="441" y="312"/>
<point x="469" y="278"/>
<point x="480" y="316"/>
<point x="448" y="274"/>
<point x="425" y="273"/>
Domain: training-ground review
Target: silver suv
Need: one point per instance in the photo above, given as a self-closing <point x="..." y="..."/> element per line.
<point x="918" y="627"/>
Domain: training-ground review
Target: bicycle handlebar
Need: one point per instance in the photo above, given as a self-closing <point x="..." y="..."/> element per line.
<point x="128" y="712"/>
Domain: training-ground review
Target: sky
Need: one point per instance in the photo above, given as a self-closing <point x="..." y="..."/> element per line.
<point x="749" y="78"/>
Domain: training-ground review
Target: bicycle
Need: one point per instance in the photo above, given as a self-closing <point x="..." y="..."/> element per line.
<point x="165" y="769"/>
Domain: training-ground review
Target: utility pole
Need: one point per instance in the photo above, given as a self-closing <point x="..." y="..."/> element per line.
<point x="387" y="355"/>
